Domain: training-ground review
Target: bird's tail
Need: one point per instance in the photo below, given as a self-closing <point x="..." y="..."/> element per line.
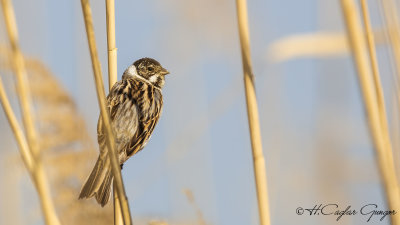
<point x="99" y="182"/>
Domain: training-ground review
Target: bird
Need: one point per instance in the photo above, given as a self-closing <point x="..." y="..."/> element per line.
<point x="134" y="104"/>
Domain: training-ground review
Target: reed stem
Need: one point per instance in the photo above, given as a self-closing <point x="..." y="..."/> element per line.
<point x="112" y="79"/>
<point x="21" y="75"/>
<point x="112" y="49"/>
<point x="34" y="167"/>
<point x="33" y="162"/>
<point x="104" y="112"/>
<point x="26" y="154"/>
<point x="369" y="89"/>
<point x="252" y="113"/>
<point x="376" y="77"/>
<point x="392" y="24"/>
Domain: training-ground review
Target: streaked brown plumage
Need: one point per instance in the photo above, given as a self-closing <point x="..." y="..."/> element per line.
<point x="135" y="105"/>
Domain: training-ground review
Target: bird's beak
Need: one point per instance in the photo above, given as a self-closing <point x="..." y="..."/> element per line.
<point x="164" y="71"/>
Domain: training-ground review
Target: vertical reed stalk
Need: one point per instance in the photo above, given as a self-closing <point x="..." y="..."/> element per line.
<point x="112" y="49"/>
<point x="34" y="165"/>
<point x="118" y="219"/>
<point x="20" y="73"/>
<point x="252" y="113"/>
<point x="392" y="23"/>
<point x="26" y="154"/>
<point x="376" y="77"/>
<point x="373" y="59"/>
<point x="368" y="89"/>
<point x="101" y="97"/>
<point x="112" y="79"/>
<point x="34" y="168"/>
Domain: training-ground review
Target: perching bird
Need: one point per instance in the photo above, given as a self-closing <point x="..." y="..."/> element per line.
<point x="135" y="105"/>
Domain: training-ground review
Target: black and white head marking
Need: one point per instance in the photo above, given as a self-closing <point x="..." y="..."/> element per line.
<point x="149" y="71"/>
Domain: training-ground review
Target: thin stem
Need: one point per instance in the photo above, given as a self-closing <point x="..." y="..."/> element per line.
<point x="27" y="156"/>
<point x="391" y="21"/>
<point x="112" y="79"/>
<point x="112" y="49"/>
<point x="34" y="168"/>
<point x="376" y="76"/>
<point x="101" y="97"/>
<point x="252" y="113"/>
<point x="368" y="88"/>
<point x="21" y="75"/>
<point x="118" y="220"/>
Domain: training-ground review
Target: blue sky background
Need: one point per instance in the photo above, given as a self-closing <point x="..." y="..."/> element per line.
<point x="315" y="137"/>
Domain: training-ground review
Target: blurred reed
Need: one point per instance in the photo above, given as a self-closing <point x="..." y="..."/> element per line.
<point x="369" y="89"/>
<point x="391" y="20"/>
<point x="316" y="44"/>
<point x="20" y="73"/>
<point x="64" y="138"/>
<point x="375" y="73"/>
<point x="190" y="197"/>
<point x="252" y="113"/>
<point x="34" y="165"/>
<point x="104" y="112"/>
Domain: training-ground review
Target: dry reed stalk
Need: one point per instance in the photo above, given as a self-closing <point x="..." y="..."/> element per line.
<point x="18" y="132"/>
<point x="368" y="89"/>
<point x="112" y="49"/>
<point x="63" y="138"/>
<point x="20" y="73"/>
<point x="112" y="79"/>
<point x="36" y="170"/>
<point x="392" y="24"/>
<point x="118" y="219"/>
<point x="101" y="97"/>
<point x="34" y="167"/>
<point x="376" y="75"/>
<point x="252" y="113"/>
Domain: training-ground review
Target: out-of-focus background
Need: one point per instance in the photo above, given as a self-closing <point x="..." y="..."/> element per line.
<point x="197" y="167"/>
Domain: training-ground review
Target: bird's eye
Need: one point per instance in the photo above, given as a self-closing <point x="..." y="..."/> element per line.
<point x="150" y="69"/>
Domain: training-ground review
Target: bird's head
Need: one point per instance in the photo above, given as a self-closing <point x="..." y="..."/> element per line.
<point x="148" y="69"/>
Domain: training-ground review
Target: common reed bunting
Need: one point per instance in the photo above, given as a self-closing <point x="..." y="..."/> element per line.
<point x="135" y="105"/>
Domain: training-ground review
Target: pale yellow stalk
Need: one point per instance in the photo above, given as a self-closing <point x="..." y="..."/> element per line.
<point x="118" y="219"/>
<point x="101" y="97"/>
<point x="368" y="89"/>
<point x="252" y="113"/>
<point x="20" y="73"/>
<point x="112" y="79"/>
<point x="34" y="167"/>
<point x="391" y="20"/>
<point x="26" y="154"/>
<point x="376" y="76"/>
<point x="112" y="49"/>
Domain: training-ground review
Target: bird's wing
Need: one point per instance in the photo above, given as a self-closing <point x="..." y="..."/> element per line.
<point x="115" y="100"/>
<point x="144" y="119"/>
<point x="142" y="136"/>
<point x="147" y="122"/>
